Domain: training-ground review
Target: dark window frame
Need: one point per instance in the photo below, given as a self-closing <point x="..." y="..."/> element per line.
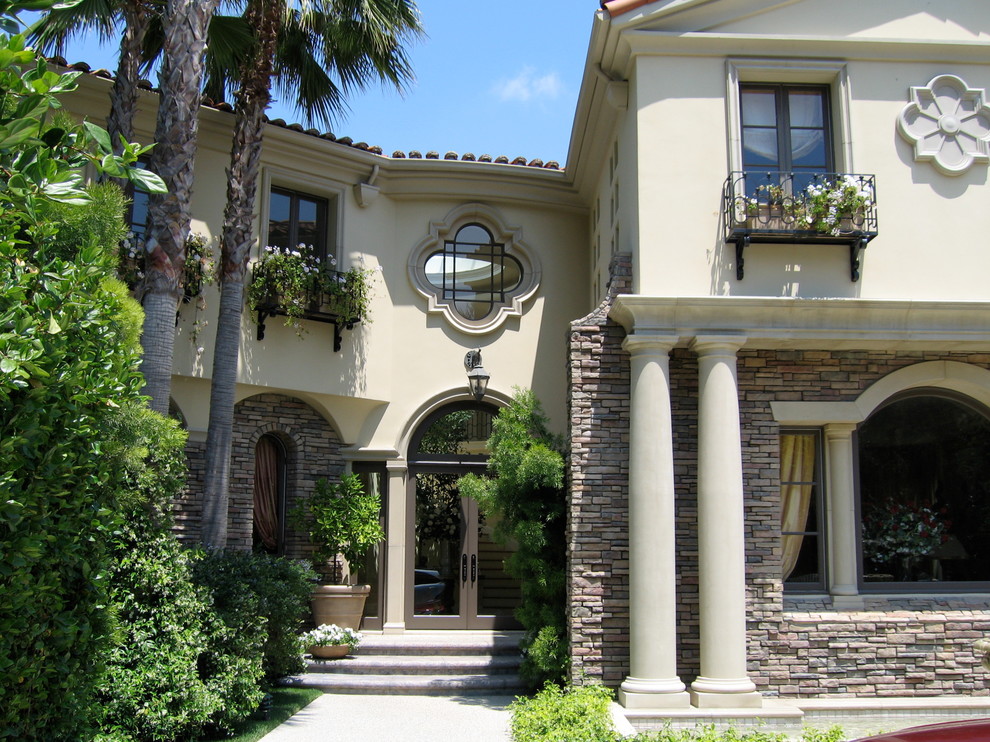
<point x="783" y="126"/>
<point x="818" y="503"/>
<point x="321" y="247"/>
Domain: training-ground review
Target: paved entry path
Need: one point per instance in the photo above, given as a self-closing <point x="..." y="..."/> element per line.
<point x="366" y="718"/>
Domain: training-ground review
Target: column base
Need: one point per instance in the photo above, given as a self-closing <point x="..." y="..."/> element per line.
<point x="725" y="693"/>
<point x="653" y="693"/>
<point x="397" y="627"/>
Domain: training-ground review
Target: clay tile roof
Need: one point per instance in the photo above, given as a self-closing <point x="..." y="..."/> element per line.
<point x="348" y="141"/>
<point x="618" y="7"/>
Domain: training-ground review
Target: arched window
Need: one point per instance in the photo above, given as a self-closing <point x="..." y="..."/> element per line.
<point x="269" y="495"/>
<point x="924" y="491"/>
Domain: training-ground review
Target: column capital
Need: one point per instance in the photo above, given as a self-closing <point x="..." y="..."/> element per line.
<point x="645" y="343"/>
<point x="839" y="431"/>
<point x="715" y="344"/>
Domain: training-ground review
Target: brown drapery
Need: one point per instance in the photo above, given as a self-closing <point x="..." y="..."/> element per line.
<point x="797" y="474"/>
<point x="266" y="484"/>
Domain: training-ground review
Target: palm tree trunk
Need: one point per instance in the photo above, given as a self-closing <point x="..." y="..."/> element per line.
<point x="186" y="22"/>
<point x="235" y="246"/>
<point x="124" y="93"/>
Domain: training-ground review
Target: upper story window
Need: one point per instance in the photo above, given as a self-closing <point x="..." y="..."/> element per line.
<point x="786" y="128"/>
<point x="473" y="270"/>
<point x="295" y="218"/>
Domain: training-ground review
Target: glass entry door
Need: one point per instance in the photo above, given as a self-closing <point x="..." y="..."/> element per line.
<point x="456" y="577"/>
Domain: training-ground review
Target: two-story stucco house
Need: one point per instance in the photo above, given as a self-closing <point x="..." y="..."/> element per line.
<point x="755" y="299"/>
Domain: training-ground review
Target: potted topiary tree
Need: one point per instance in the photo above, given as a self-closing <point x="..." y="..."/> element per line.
<point x="342" y="521"/>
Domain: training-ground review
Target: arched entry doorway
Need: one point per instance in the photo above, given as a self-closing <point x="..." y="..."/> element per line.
<point x="456" y="576"/>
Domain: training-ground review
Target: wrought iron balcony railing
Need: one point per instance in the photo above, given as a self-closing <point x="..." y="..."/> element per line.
<point x="822" y="208"/>
<point x="337" y="308"/>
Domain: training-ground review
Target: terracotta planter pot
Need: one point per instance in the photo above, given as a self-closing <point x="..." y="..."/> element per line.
<point x="339" y="604"/>
<point x="333" y="652"/>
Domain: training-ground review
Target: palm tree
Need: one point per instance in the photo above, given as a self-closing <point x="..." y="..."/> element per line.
<point x="183" y="31"/>
<point x="297" y="46"/>
<point x="61" y="24"/>
<point x="180" y="80"/>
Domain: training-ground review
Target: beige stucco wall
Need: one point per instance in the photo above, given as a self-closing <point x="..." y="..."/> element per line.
<point x="389" y="369"/>
<point x="681" y="130"/>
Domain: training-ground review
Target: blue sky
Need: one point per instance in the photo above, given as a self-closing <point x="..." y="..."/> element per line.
<point x="492" y="77"/>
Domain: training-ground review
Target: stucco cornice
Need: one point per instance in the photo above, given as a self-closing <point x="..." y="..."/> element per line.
<point x="863" y="48"/>
<point x="860" y="324"/>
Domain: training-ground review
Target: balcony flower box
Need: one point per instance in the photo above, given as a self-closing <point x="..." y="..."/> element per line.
<point x="822" y="208"/>
<point x="297" y="284"/>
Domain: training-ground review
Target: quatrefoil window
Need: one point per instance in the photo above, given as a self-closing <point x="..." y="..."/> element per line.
<point x="948" y="123"/>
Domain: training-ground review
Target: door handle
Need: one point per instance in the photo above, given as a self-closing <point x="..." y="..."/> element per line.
<point x="474" y="567"/>
<point x="463" y="567"/>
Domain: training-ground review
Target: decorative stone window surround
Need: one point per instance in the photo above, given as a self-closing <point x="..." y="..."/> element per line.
<point x="833" y="74"/>
<point x="511" y="237"/>
<point x="309" y="186"/>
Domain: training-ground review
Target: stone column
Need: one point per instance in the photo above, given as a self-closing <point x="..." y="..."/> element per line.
<point x="841" y="519"/>
<point x="653" y="680"/>
<point x="723" y="682"/>
<point x="394" y="582"/>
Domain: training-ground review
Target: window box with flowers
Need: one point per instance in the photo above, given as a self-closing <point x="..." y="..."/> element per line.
<point x="815" y="208"/>
<point x="298" y="284"/>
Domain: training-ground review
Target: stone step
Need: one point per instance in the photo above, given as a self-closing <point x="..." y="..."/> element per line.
<point x="381" y="664"/>
<point x="441" y="644"/>
<point x="408" y="684"/>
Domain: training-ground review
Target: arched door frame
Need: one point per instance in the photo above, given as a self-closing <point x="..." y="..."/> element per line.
<point x="420" y="463"/>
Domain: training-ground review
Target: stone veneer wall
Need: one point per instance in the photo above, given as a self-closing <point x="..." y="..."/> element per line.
<point x="597" y="525"/>
<point x="905" y="646"/>
<point x="312" y="450"/>
<point x="913" y="645"/>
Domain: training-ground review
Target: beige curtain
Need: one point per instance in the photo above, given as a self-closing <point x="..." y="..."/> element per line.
<point x="797" y="472"/>
<point x="266" y="475"/>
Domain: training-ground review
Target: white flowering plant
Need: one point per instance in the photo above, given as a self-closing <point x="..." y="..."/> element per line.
<point x="330" y="635"/>
<point x="299" y="282"/>
<point x="827" y="204"/>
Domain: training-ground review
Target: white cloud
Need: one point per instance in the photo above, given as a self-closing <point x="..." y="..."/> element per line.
<point x="527" y="86"/>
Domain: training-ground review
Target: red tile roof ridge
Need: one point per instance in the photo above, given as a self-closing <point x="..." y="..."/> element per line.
<point x="329" y="136"/>
<point x="618" y="7"/>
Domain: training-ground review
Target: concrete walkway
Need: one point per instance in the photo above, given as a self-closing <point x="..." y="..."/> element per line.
<point x="366" y="718"/>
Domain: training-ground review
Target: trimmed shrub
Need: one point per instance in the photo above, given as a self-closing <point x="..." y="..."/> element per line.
<point x="246" y="586"/>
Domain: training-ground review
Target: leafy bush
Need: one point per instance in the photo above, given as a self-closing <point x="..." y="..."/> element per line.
<point x="579" y="714"/>
<point x="246" y="586"/>
<point x="67" y="359"/>
<point x="187" y="659"/>
<point x="526" y="493"/>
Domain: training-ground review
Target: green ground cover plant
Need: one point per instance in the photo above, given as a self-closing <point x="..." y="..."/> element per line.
<point x="581" y="713"/>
